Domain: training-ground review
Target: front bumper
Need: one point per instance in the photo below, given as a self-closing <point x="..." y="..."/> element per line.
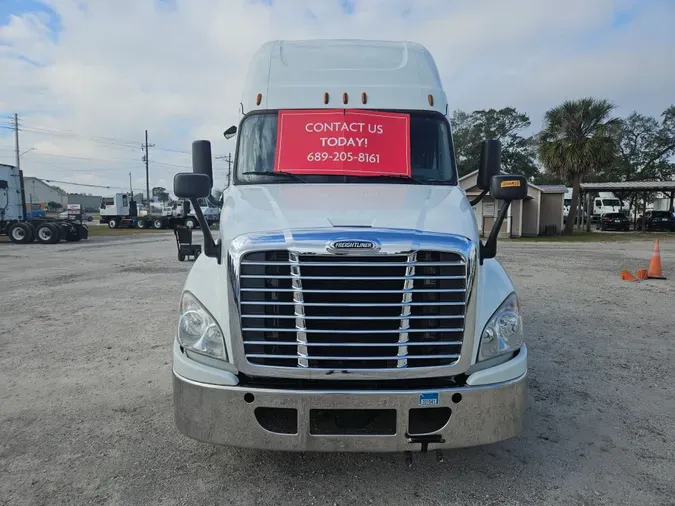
<point x="226" y="415"/>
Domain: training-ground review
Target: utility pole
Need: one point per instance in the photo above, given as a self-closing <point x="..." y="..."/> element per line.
<point x="146" y="159"/>
<point x="228" y="159"/>
<point x="131" y="189"/>
<point x="16" y="141"/>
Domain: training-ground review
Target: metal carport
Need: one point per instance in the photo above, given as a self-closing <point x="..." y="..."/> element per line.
<point x="625" y="189"/>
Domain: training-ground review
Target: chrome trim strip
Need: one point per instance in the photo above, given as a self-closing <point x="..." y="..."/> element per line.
<point x="354" y="278"/>
<point x="358" y="359"/>
<point x="405" y="290"/>
<point x="359" y="264"/>
<point x="351" y="304"/>
<point x="312" y="242"/>
<point x="410" y="317"/>
<point x="403" y="330"/>
<point x="369" y="345"/>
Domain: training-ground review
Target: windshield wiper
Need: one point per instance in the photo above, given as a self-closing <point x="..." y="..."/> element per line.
<point x="394" y="179"/>
<point x="436" y="181"/>
<point x="286" y="175"/>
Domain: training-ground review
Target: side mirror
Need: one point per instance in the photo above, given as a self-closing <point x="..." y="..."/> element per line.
<point x="197" y="185"/>
<point x="508" y="187"/>
<point x="187" y="185"/>
<point x="202" y="162"/>
<point x="230" y="132"/>
<point x="490" y="162"/>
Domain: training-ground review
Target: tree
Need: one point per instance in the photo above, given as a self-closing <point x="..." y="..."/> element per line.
<point x="470" y="129"/>
<point x="644" y="148"/>
<point x="161" y="193"/>
<point x="578" y="138"/>
<point x="53" y="206"/>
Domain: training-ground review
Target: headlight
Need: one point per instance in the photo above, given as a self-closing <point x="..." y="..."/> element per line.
<point x="198" y="330"/>
<point x="503" y="332"/>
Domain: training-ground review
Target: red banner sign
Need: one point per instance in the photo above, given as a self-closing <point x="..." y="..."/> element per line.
<point x="343" y="142"/>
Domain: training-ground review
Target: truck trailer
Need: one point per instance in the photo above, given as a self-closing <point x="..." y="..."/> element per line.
<point x="23" y="227"/>
<point x="348" y="303"/>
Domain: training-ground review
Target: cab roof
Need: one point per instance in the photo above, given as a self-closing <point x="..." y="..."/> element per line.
<point x="305" y="74"/>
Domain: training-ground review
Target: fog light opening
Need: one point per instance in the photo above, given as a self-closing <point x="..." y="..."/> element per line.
<point x="249" y="397"/>
<point x="278" y="420"/>
<point x="423" y="421"/>
<point x="456" y="398"/>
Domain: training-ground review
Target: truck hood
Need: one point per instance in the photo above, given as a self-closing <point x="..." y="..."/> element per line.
<point x="282" y="207"/>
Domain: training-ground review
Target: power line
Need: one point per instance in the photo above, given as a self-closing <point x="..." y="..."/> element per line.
<point x="86" y="158"/>
<point x="79" y="184"/>
<point x="110" y="141"/>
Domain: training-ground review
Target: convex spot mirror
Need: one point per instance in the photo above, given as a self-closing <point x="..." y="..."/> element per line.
<point x="230" y="132"/>
<point x="508" y="187"/>
<point x="490" y="164"/>
<point x="188" y="185"/>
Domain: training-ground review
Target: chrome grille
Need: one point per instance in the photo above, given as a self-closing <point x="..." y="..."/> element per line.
<point x="352" y="312"/>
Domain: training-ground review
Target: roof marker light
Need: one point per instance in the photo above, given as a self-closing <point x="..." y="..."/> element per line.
<point x="325" y="98"/>
<point x="431" y="99"/>
<point x="258" y="99"/>
<point x="345" y="98"/>
<point x="364" y="98"/>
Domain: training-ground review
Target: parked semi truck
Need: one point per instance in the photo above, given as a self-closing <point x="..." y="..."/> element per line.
<point x="348" y="303"/>
<point x="23" y="227"/>
<point x="121" y="210"/>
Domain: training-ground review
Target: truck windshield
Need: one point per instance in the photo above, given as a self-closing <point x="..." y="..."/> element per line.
<point x="431" y="153"/>
<point x="611" y="202"/>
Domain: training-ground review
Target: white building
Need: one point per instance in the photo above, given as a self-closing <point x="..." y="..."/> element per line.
<point x="38" y="191"/>
<point x="538" y="214"/>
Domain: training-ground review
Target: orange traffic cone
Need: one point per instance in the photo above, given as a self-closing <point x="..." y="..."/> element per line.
<point x="642" y="274"/>
<point x="627" y="276"/>
<point x="654" y="271"/>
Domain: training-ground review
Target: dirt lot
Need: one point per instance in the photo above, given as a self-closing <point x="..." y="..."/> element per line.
<point x="86" y="407"/>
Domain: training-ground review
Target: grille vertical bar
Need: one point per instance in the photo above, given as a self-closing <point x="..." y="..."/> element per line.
<point x="299" y="309"/>
<point x="405" y="311"/>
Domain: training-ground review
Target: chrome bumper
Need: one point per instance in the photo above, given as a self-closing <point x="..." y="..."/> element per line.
<point x="227" y="415"/>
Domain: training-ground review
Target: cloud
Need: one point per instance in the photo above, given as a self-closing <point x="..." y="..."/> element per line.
<point x="89" y="77"/>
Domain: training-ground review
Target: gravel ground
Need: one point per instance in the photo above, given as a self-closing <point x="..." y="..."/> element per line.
<point x="86" y="408"/>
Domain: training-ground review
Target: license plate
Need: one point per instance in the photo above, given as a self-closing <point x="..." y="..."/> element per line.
<point x="664" y="219"/>
<point x="429" y="399"/>
<point x="617" y="221"/>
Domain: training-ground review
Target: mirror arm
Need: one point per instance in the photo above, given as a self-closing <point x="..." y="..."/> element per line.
<point x="489" y="249"/>
<point x="211" y="249"/>
<point x="479" y="198"/>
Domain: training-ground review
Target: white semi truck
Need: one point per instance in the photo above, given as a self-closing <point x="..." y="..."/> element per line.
<point x="23" y="229"/>
<point x="121" y="210"/>
<point x="348" y="303"/>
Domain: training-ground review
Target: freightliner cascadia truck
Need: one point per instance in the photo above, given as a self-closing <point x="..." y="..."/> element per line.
<point x="348" y="303"/>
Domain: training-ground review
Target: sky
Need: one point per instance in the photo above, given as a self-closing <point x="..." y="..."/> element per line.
<point x="88" y="77"/>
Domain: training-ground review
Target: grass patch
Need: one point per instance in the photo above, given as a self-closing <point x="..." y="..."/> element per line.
<point x="98" y="231"/>
<point x="579" y="236"/>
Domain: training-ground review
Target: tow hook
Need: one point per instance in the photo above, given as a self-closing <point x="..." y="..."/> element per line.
<point x="424" y="446"/>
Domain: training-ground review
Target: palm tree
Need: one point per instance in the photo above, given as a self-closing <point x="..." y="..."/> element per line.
<point x="578" y="138"/>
